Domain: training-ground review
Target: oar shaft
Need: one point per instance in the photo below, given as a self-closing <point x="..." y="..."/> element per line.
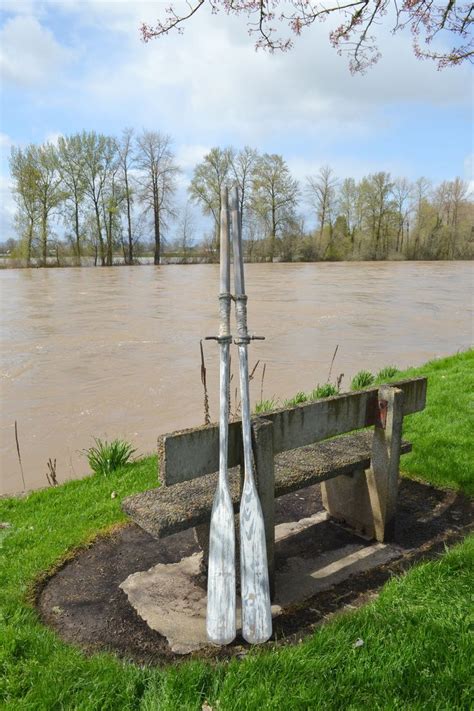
<point x="221" y="594"/>
<point x="256" y="609"/>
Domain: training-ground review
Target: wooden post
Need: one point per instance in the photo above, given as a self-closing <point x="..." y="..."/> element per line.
<point x="382" y="477"/>
<point x="262" y="445"/>
<point x="366" y="501"/>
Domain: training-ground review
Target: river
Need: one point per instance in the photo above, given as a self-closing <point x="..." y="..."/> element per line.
<point x="114" y="352"/>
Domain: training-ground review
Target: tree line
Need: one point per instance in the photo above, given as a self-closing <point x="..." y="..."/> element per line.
<point x="93" y="195"/>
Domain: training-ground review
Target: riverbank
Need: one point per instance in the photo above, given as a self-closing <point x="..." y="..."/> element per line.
<point x="415" y="651"/>
<point x="170" y="260"/>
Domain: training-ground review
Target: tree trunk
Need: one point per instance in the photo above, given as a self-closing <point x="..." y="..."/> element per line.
<point x="273" y="235"/>
<point x="156" y="258"/>
<point x="76" y="228"/>
<point x="99" y="234"/>
<point x="129" y="223"/>
<point x="110" y="257"/>
<point x="44" y="237"/>
<point x="29" y="242"/>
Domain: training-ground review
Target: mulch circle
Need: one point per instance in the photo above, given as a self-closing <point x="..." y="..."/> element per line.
<point x="83" y="603"/>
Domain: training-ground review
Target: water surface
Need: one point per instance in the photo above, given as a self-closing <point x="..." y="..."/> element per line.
<point x="114" y="352"/>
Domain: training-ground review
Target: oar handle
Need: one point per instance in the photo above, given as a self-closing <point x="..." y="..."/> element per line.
<point x="224" y="243"/>
<point x="237" y="244"/>
<point x="224" y="295"/>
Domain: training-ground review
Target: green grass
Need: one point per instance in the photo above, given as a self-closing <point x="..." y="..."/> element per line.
<point x="416" y="649"/>
<point x="442" y="435"/>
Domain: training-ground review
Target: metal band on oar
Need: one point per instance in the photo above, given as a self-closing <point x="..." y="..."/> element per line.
<point x="256" y="606"/>
<point x="221" y="570"/>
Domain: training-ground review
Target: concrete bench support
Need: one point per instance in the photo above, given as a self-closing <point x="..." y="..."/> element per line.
<point x="293" y="448"/>
<point x="366" y="500"/>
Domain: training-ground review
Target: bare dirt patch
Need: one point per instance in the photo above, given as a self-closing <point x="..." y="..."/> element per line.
<point x="85" y="605"/>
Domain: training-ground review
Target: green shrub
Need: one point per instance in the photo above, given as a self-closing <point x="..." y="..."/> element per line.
<point x="362" y="379"/>
<point x="107" y="457"/>
<point x="386" y="373"/>
<point x="326" y="390"/>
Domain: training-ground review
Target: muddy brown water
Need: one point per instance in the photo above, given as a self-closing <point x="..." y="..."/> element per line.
<point x="114" y="352"/>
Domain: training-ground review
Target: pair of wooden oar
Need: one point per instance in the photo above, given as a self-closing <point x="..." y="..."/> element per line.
<point x="255" y="589"/>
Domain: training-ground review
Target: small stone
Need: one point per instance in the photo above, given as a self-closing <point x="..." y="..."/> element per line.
<point x="358" y="643"/>
<point x="206" y="707"/>
<point x="5" y="524"/>
<point x="57" y="610"/>
<point x="113" y="495"/>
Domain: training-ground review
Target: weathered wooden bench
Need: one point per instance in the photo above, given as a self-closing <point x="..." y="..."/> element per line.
<point x="358" y="471"/>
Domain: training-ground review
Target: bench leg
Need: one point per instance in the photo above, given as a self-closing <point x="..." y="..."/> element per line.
<point x="382" y="477"/>
<point x="366" y="501"/>
<point x="262" y="444"/>
<point x="346" y="499"/>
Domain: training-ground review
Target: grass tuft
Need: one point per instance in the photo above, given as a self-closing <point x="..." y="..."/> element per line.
<point x="390" y="371"/>
<point x="265" y="406"/>
<point x="362" y="379"/>
<point x="326" y="390"/>
<point x="297" y="399"/>
<point x="107" y="457"/>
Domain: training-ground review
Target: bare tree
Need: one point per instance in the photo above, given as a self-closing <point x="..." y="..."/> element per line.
<point x="156" y="161"/>
<point x="71" y="169"/>
<point x="98" y="161"/>
<point x="49" y="190"/>
<point x="112" y="198"/>
<point x="275" y="195"/>
<point x="243" y="167"/>
<point x="349" y="208"/>
<point x="25" y="176"/>
<point x="402" y="193"/>
<point x="421" y="191"/>
<point x="208" y="179"/>
<point x="450" y="197"/>
<point x="354" y="35"/>
<point x="321" y="195"/>
<point x="126" y="160"/>
<point x="185" y="232"/>
<point x="378" y="208"/>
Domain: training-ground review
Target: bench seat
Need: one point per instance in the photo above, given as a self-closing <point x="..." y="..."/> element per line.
<point x="167" y="510"/>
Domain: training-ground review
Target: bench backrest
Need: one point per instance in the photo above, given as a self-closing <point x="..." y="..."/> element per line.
<point x="192" y="453"/>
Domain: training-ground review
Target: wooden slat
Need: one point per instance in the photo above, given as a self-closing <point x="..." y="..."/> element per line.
<point x="192" y="453"/>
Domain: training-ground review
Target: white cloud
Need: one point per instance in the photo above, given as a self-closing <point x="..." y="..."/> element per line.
<point x="30" y="55"/>
<point x="469" y="173"/>
<point x="188" y="155"/>
<point x="53" y="137"/>
<point x="5" y="142"/>
<point x="213" y="79"/>
<point x="7" y="208"/>
<point x="21" y="7"/>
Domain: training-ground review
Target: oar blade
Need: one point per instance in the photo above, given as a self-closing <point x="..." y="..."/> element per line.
<point x="255" y="587"/>
<point x="221" y="595"/>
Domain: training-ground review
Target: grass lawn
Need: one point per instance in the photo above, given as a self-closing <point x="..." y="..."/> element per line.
<point x="417" y="648"/>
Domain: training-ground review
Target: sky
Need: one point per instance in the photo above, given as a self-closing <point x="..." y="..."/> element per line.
<point x="70" y="65"/>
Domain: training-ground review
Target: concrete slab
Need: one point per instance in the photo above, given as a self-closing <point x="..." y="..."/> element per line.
<point x="170" y="600"/>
